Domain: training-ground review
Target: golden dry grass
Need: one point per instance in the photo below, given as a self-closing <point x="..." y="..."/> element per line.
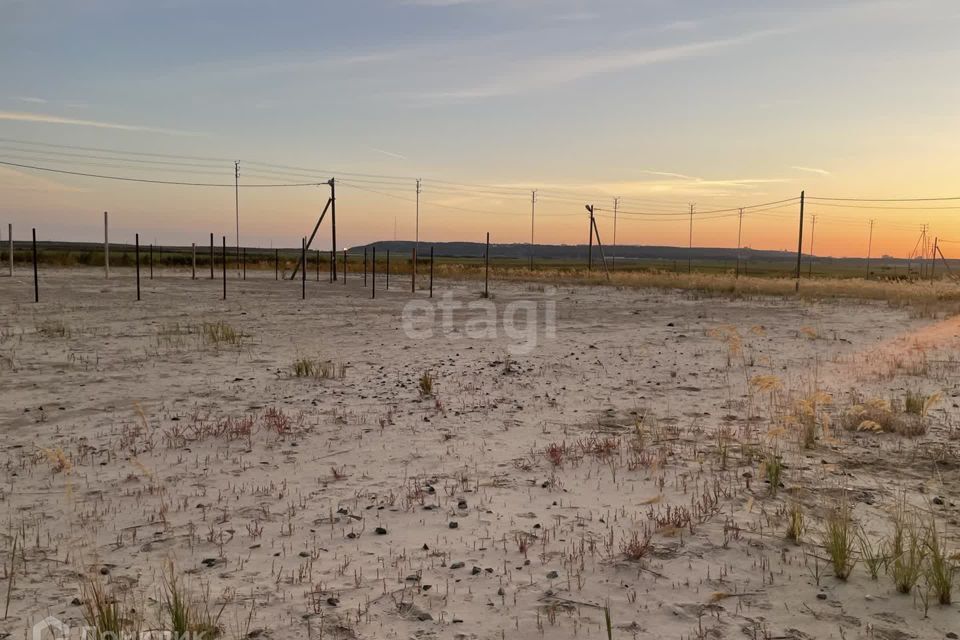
<point x="942" y="293"/>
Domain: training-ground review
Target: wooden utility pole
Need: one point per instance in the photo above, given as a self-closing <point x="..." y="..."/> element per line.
<point x="330" y="206"/>
<point x="799" y="243"/>
<point x="690" y="243"/>
<point x="223" y="258"/>
<point x="236" y="199"/>
<point x="106" y="247"/>
<point x="36" y="280"/>
<point x="869" y="248"/>
<point x="10" y="240"/>
<point x="613" y="258"/>
<point x="193" y="262"/>
<point x="596" y="231"/>
<point x="739" y="244"/>
<point x="333" y="226"/>
<point x="533" y="209"/>
<point x="136" y="244"/>
<point x="590" y="245"/>
<point x="486" y="269"/>
<point x="303" y="272"/>
<point x="416" y="243"/>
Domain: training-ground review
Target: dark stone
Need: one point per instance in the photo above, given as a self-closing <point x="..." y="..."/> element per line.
<point x="380" y="531"/>
<point x="821" y="596"/>
<point x="553" y="575"/>
<point x="453" y="525"/>
<point x="476" y="571"/>
<point x="457" y="565"/>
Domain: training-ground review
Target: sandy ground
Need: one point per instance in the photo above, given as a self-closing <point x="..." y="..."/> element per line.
<point x="357" y="506"/>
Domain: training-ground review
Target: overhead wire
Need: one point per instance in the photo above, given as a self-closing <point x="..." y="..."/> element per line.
<point x="150" y="181"/>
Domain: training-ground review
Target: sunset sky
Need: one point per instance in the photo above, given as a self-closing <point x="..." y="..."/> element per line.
<point x="660" y="103"/>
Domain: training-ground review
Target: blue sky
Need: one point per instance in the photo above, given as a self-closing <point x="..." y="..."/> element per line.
<point x="721" y="104"/>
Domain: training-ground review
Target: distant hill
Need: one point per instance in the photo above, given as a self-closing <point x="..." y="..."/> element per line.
<point x="578" y="251"/>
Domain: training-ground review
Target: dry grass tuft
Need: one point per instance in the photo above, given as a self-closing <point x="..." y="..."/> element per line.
<point x="219" y="334"/>
<point x="908" y="550"/>
<point x="881" y="416"/>
<point x="103" y="613"/>
<point x="795" y="521"/>
<point x="188" y="616"/>
<point x="426" y="384"/>
<point x="839" y="539"/>
<point x="941" y="569"/>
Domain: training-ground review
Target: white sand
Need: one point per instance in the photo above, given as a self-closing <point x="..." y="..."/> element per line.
<point x="123" y="400"/>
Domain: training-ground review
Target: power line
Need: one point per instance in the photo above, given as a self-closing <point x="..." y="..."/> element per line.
<point x="61" y="154"/>
<point x="880" y="208"/>
<point x="148" y="181"/>
<point x="444" y="206"/>
<point x="885" y="199"/>
<point x="102" y="150"/>
<point x="710" y="211"/>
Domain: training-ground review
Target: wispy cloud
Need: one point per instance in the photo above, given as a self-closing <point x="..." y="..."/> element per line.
<point x="668" y="174"/>
<point x="390" y="154"/>
<point x="555" y="70"/>
<point x="680" y="25"/>
<point x="30" y="99"/>
<point x="673" y="184"/>
<point x="20" y="116"/>
<point x="822" y="172"/>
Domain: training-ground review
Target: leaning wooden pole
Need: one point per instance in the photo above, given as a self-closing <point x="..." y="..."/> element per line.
<point x="600" y="247"/>
<point x="316" y="227"/>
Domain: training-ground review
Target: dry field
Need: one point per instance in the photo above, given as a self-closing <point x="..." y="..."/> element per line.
<point x="661" y="465"/>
